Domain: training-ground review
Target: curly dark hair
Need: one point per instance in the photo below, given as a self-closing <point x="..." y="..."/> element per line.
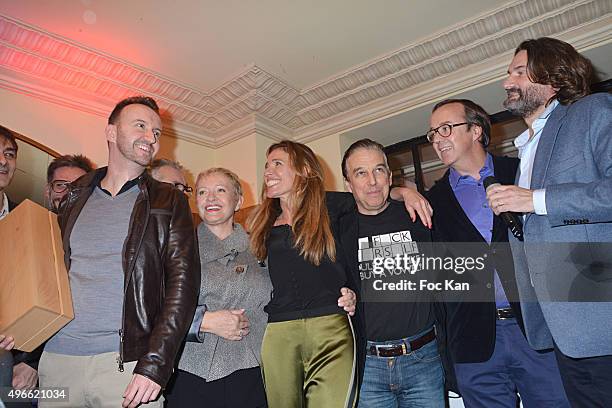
<point x="556" y="63"/>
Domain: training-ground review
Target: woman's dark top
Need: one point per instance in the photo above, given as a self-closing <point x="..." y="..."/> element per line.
<point x="301" y="289"/>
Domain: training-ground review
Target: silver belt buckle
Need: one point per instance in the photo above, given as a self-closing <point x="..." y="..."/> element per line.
<point x="389" y="347"/>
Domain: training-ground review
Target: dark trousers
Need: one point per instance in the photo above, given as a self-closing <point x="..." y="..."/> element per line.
<point x="514" y="367"/>
<point x="587" y="381"/>
<point x="241" y="389"/>
<point x="6" y="368"/>
<point x="6" y="378"/>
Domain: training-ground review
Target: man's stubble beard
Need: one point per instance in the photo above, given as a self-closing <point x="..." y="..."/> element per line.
<point x="131" y="154"/>
<point x="527" y="103"/>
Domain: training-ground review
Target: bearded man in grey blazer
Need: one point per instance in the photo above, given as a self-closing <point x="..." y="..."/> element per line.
<point x="564" y="190"/>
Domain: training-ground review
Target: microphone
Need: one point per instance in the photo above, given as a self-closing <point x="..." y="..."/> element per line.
<point x="511" y="220"/>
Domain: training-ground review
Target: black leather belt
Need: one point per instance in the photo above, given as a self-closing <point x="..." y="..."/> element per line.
<point x="384" y="350"/>
<point x="503" y="314"/>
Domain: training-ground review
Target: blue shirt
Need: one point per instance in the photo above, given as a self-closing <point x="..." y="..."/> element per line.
<point x="472" y="197"/>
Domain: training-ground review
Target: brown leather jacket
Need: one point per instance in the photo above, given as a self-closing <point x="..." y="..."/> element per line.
<point x="161" y="272"/>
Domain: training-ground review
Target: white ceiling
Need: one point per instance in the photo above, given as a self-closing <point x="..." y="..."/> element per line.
<point x="301" y="69"/>
<point x="204" y="42"/>
<point x="414" y="123"/>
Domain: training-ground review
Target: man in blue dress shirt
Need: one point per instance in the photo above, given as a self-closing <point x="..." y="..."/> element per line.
<point x="493" y="361"/>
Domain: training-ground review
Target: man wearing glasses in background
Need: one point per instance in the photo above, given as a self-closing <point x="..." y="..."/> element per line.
<point x="492" y="358"/>
<point x="61" y="172"/>
<point x="170" y="171"/>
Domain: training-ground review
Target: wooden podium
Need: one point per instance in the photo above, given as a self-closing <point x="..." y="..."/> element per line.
<point x="35" y="300"/>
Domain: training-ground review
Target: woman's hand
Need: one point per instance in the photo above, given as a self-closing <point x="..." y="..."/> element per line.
<point x="229" y="324"/>
<point x="347" y="301"/>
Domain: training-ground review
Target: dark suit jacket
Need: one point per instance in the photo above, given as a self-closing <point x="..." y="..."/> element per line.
<point x="471" y="325"/>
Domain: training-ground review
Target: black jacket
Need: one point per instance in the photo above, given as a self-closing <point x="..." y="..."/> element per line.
<point x="471" y="325"/>
<point x="161" y="271"/>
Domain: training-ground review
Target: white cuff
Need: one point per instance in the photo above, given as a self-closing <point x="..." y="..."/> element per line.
<point x="539" y="202"/>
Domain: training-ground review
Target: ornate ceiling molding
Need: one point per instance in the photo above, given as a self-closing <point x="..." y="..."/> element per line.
<point x="465" y="56"/>
<point x="461" y="58"/>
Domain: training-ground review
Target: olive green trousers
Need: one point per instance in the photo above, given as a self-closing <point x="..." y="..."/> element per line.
<point x="310" y="363"/>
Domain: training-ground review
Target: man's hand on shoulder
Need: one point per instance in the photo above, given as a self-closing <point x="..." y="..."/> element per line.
<point x="140" y="391"/>
<point x="415" y="203"/>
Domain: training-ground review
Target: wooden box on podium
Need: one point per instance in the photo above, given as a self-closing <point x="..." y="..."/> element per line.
<point x="35" y="299"/>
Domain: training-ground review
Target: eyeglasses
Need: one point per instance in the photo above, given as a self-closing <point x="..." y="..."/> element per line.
<point x="59" y="186"/>
<point x="184" y="188"/>
<point x="444" y="130"/>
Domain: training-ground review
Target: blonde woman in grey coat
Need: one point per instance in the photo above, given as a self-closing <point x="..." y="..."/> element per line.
<point x="219" y="366"/>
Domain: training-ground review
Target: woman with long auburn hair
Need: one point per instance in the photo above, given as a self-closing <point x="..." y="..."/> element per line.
<point x="308" y="351"/>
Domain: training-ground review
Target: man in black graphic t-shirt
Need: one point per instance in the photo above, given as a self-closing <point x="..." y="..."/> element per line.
<point x="387" y="235"/>
<point x="380" y="242"/>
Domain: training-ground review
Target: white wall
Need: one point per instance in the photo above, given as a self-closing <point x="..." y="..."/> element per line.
<point x="329" y="152"/>
<point x="241" y="158"/>
<point x="69" y="131"/>
<point x="64" y="130"/>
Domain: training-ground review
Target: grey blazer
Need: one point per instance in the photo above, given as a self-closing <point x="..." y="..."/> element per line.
<point x="231" y="279"/>
<point x="564" y="266"/>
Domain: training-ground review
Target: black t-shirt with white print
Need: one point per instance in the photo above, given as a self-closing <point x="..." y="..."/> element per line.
<point x="387" y="235"/>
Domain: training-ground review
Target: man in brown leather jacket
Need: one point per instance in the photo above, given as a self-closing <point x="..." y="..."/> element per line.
<point x="134" y="273"/>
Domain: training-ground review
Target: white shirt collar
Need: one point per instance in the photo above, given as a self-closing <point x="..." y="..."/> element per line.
<point x="524" y="139"/>
<point x="5" y="207"/>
